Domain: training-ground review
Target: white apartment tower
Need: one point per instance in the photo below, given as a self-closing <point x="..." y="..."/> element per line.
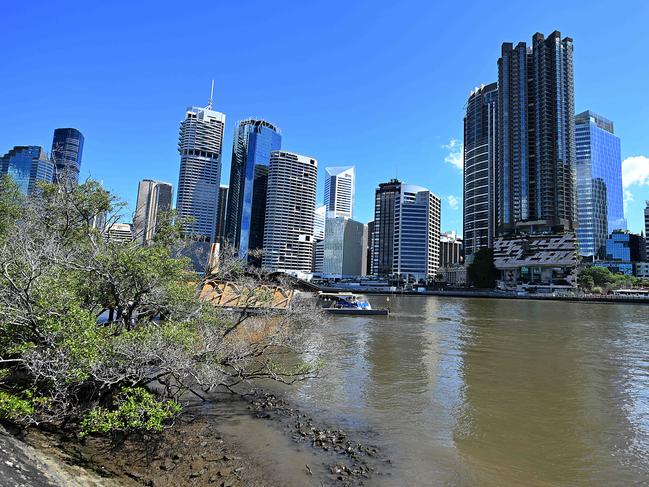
<point x="340" y="184"/>
<point x="153" y="198"/>
<point x="200" y="145"/>
<point x="290" y="211"/>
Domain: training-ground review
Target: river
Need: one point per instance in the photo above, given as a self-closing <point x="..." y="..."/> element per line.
<point x="486" y="392"/>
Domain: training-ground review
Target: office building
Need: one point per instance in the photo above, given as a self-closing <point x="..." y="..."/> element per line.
<point x="254" y="140"/>
<point x="67" y="149"/>
<point x="624" y="246"/>
<point x="290" y="207"/>
<point x="345" y="246"/>
<point x="406" y="231"/>
<point x="450" y="249"/>
<point x="646" y="226"/>
<point x="119" y="233"/>
<point x="340" y="184"/>
<point x="600" y="204"/>
<point x="319" y="221"/>
<point x="222" y="212"/>
<point x="370" y="239"/>
<point x="27" y="165"/>
<point x="480" y="160"/>
<point x="200" y="146"/>
<point x="153" y="199"/>
<point x="536" y="141"/>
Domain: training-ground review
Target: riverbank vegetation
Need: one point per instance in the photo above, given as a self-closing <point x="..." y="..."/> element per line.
<point x="600" y="280"/>
<point x="108" y="337"/>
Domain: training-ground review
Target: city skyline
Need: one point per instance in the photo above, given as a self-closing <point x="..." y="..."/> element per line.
<point x="420" y="115"/>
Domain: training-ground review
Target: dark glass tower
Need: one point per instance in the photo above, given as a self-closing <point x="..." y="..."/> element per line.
<point x="222" y="209"/>
<point x="254" y="140"/>
<point x="27" y="165"/>
<point x="385" y="200"/>
<point x="536" y="137"/>
<point x="67" y="149"/>
<point x="480" y="156"/>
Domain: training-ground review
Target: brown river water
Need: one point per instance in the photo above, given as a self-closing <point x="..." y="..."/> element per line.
<point x="484" y="392"/>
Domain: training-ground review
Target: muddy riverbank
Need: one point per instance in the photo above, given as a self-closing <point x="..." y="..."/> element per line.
<point x="260" y="441"/>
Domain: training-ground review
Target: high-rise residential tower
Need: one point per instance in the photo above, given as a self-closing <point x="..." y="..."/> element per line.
<point x="406" y="231"/>
<point x="340" y="185"/>
<point x="600" y="204"/>
<point x="222" y="209"/>
<point x="290" y="207"/>
<point x="536" y="141"/>
<point x="67" y="149"/>
<point x="319" y="222"/>
<point x="200" y="146"/>
<point x="27" y="165"/>
<point x="153" y="198"/>
<point x="254" y="140"/>
<point x="480" y="160"/>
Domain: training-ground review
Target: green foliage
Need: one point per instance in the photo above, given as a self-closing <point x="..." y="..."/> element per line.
<point x="15" y="408"/>
<point x="594" y="277"/>
<point x="481" y="272"/>
<point x="11" y="204"/>
<point x="135" y="409"/>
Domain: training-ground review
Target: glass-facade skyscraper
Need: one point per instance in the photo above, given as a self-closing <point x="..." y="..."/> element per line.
<point x="480" y="156"/>
<point x="67" y="149"/>
<point x="200" y="145"/>
<point x="254" y="140"/>
<point x="599" y="183"/>
<point x="27" y="165"/>
<point x="536" y="141"/>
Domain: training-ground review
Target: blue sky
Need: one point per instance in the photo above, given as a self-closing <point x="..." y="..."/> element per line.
<point x="380" y="85"/>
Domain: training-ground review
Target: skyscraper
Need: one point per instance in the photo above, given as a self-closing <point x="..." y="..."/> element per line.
<point x="27" y="165"/>
<point x="450" y="249"/>
<point x="480" y="159"/>
<point x="340" y="185"/>
<point x="153" y="198"/>
<point x="254" y="140"/>
<point x="290" y="207"/>
<point x="200" y="146"/>
<point x="319" y="222"/>
<point x="536" y="142"/>
<point x="222" y="209"/>
<point x="599" y="182"/>
<point x="67" y="149"/>
<point x="345" y="246"/>
<point x="406" y="232"/>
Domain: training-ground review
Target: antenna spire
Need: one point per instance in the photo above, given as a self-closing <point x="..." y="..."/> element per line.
<point x="209" y="102"/>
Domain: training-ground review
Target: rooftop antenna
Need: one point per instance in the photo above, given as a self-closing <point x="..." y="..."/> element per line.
<point x="209" y="102"/>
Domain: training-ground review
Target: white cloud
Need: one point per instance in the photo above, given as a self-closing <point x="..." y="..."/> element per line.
<point x="453" y="202"/>
<point x="455" y="153"/>
<point x="635" y="170"/>
<point x="628" y="198"/>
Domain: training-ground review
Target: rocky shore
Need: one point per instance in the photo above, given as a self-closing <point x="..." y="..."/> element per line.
<point x="194" y="452"/>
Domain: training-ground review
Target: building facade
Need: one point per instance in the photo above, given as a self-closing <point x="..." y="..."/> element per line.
<point x="200" y="146"/>
<point x="624" y="246"/>
<point x="153" y="198"/>
<point x="536" y="140"/>
<point x="345" y="246"/>
<point x="319" y="228"/>
<point x="222" y="211"/>
<point x="480" y="159"/>
<point x="254" y="140"/>
<point x="27" y="165"/>
<point x="290" y="207"/>
<point x="67" y="150"/>
<point x="646" y="226"/>
<point x="599" y="182"/>
<point x="119" y="233"/>
<point x="340" y="184"/>
<point x="450" y="249"/>
<point x="406" y="231"/>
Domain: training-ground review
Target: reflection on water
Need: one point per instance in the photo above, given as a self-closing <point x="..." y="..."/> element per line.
<point x="493" y="392"/>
